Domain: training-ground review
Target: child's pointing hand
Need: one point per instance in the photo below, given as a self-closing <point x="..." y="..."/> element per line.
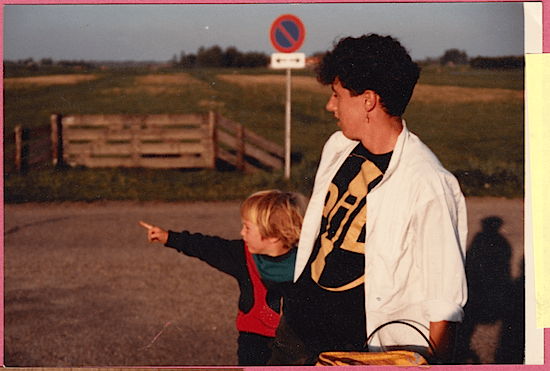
<point x="155" y="234"/>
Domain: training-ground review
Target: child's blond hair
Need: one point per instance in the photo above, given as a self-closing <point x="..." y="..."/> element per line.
<point x="277" y="214"/>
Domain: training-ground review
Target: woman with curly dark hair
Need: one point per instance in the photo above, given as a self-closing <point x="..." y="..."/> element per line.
<point x="384" y="235"/>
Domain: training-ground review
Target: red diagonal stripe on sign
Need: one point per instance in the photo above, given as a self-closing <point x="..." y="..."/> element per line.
<point x="286" y="34"/>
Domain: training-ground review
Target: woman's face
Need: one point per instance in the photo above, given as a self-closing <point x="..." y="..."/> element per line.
<point x="349" y="110"/>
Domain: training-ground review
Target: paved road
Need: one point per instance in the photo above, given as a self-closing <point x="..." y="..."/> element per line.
<point x="83" y="287"/>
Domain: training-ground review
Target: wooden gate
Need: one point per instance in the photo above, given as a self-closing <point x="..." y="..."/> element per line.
<point x="149" y="141"/>
<point x="160" y="141"/>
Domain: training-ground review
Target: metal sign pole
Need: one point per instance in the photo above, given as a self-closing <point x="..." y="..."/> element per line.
<point x="287" y="126"/>
<point x="287" y="33"/>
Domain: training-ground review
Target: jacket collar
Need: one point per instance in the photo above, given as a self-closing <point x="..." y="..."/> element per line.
<point x="397" y="151"/>
<point x="345" y="144"/>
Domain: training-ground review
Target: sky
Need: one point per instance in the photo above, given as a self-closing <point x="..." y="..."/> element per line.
<point x="157" y="32"/>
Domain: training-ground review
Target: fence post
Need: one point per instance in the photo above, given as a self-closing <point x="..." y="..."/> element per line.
<point x="18" y="132"/>
<point x="212" y="138"/>
<point x="239" y="136"/>
<point x="22" y="137"/>
<point x="57" y="139"/>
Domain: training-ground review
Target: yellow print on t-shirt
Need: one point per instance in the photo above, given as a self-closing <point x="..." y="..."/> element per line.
<point x="340" y="209"/>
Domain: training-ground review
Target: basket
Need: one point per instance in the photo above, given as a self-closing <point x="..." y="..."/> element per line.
<point x="389" y="358"/>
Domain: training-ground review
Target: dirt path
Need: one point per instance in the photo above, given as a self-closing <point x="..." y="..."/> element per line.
<point x="83" y="287"/>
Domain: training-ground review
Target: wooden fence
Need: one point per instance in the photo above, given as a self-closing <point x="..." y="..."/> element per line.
<point x="244" y="149"/>
<point x="154" y="141"/>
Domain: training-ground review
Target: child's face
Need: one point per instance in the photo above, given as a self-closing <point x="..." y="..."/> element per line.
<point x="252" y="238"/>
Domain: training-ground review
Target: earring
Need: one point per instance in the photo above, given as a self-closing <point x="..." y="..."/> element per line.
<point x="367" y="117"/>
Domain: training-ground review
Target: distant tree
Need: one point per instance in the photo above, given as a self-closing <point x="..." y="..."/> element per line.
<point x="26" y="62"/>
<point x="216" y="57"/>
<point x="191" y="60"/>
<point x="231" y="57"/>
<point x="454" y="56"/>
<point x="46" y="62"/>
<point x="209" y="58"/>
<point x="254" y="59"/>
<point x="187" y="61"/>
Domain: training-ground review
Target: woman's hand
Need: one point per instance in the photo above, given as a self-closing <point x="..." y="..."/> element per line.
<point x="443" y="337"/>
<point x="155" y="234"/>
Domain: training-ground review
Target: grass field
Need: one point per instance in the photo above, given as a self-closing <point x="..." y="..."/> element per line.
<point x="473" y="120"/>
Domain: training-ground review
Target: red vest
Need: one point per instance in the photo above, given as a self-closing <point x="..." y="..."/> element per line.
<point x="261" y="319"/>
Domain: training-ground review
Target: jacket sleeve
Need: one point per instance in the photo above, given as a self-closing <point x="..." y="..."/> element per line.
<point x="443" y="254"/>
<point x="227" y="256"/>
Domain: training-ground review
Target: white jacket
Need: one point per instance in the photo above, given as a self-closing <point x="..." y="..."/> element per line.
<point x="415" y="239"/>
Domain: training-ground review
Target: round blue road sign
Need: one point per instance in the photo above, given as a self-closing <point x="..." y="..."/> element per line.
<point x="287" y="33"/>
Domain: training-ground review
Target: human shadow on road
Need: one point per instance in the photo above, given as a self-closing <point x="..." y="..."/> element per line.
<point x="492" y="297"/>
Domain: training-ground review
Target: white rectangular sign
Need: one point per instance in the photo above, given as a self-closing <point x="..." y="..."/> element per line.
<point x="288" y="60"/>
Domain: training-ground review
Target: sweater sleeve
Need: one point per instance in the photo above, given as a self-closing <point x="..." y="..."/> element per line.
<point x="227" y="256"/>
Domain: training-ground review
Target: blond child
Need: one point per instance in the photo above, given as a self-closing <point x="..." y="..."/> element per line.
<point x="262" y="262"/>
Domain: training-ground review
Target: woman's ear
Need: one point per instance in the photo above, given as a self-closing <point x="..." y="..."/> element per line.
<point x="370" y="99"/>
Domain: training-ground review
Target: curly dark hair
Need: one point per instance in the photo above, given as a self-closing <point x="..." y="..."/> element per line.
<point x="372" y="62"/>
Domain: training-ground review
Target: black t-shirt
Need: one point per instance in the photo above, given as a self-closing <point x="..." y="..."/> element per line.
<point x="327" y="306"/>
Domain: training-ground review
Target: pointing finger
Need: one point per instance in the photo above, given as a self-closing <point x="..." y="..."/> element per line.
<point x="143" y="224"/>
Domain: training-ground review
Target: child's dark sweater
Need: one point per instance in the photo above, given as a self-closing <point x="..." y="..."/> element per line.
<point x="260" y="294"/>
